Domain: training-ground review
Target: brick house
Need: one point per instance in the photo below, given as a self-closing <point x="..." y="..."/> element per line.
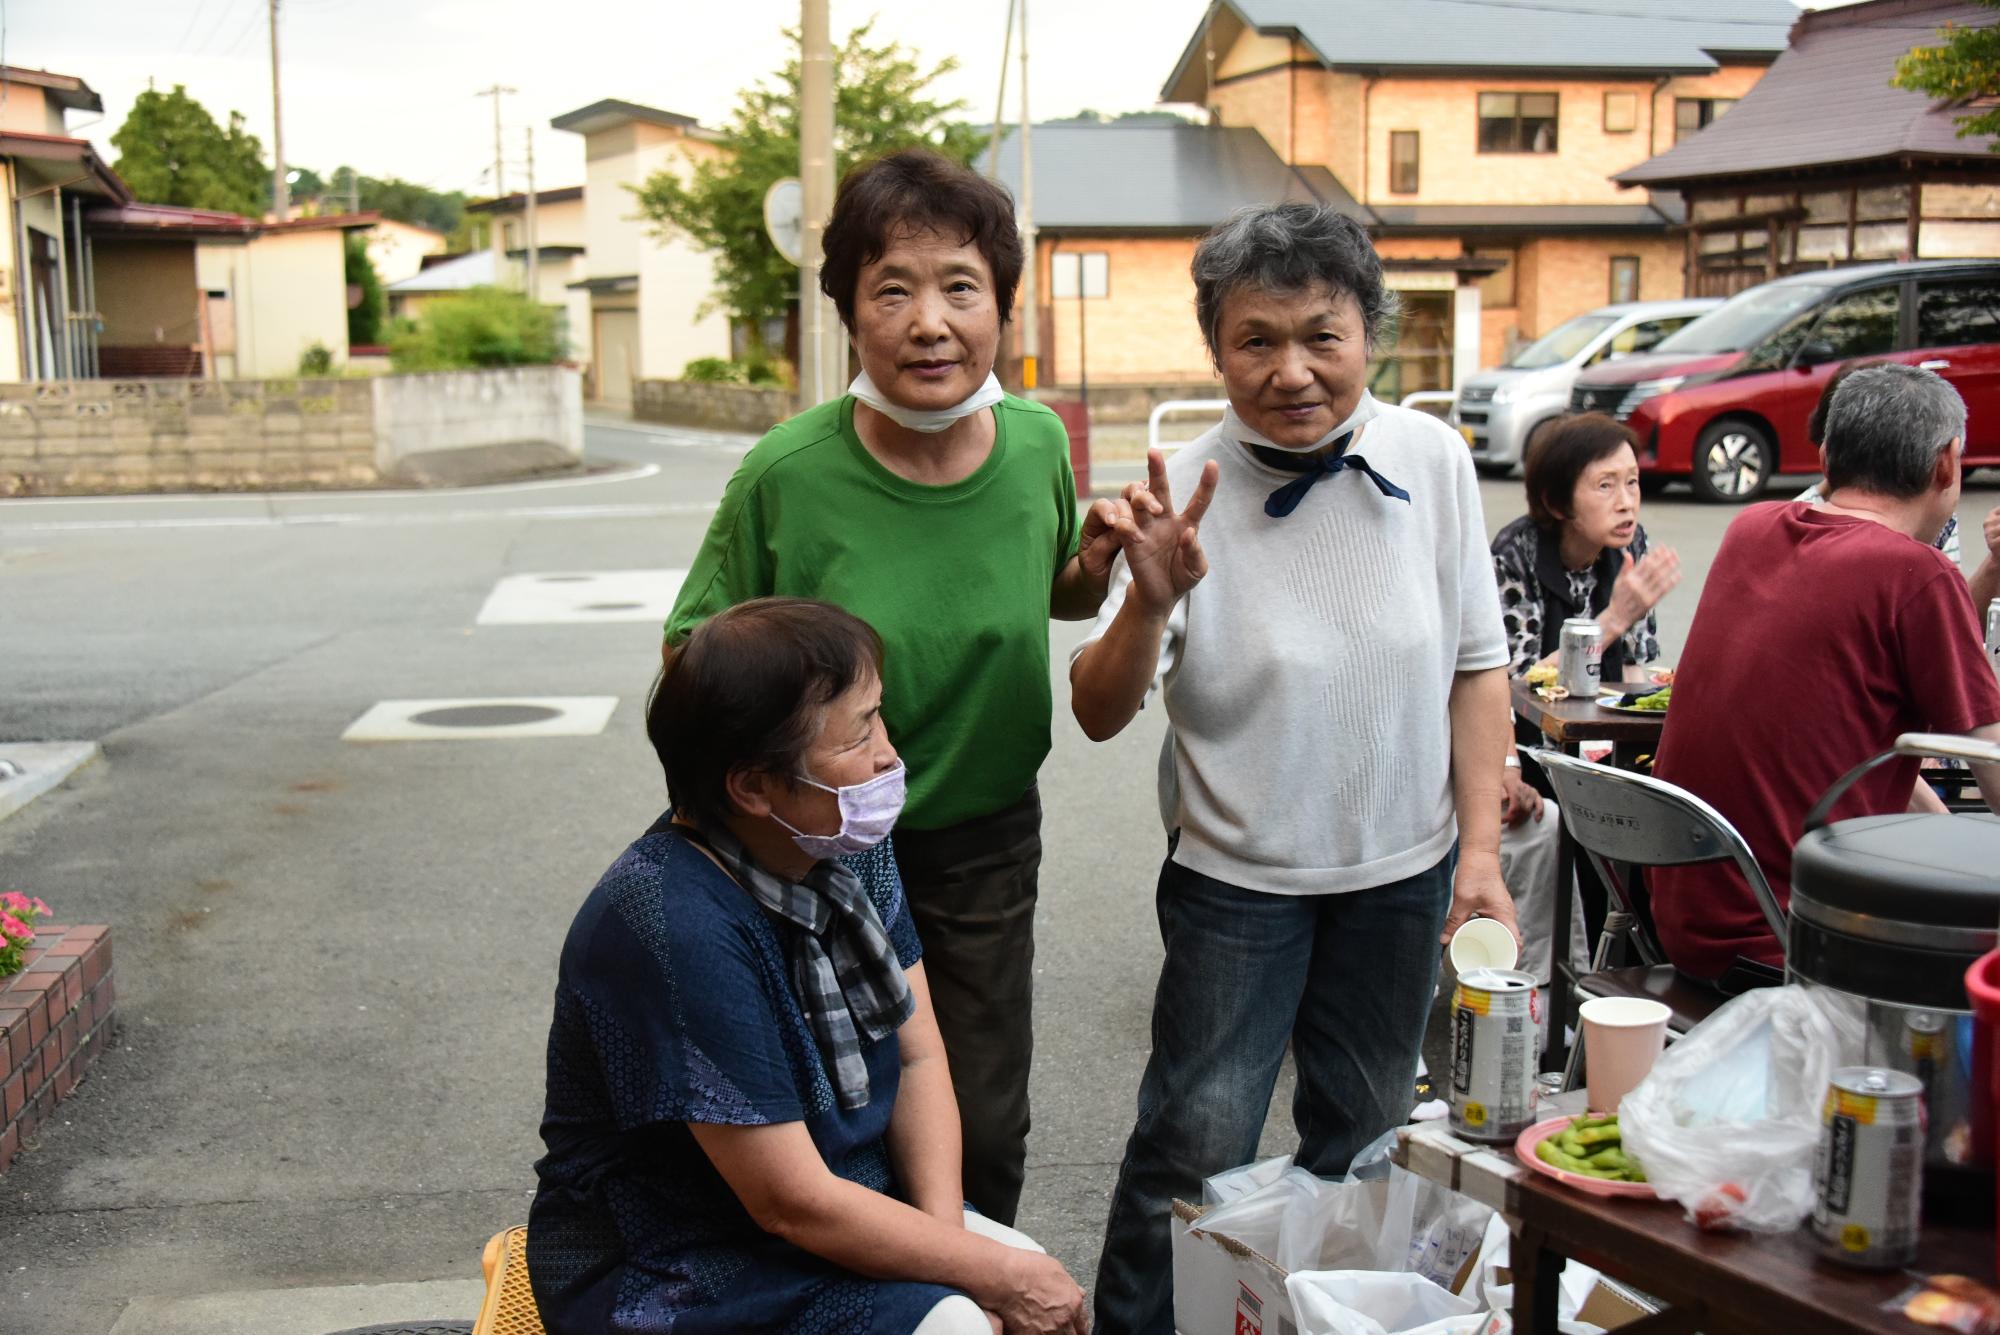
<point x="1476" y="142"/>
<point x="1826" y="163"/>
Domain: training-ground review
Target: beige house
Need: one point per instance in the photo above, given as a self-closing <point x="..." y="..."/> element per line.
<point x="646" y="294"/>
<point x="561" y="237"/>
<point x="51" y="180"/>
<point x="1476" y="144"/>
<point x="397" y="249"/>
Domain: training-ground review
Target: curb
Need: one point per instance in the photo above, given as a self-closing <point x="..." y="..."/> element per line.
<point x="43" y="765"/>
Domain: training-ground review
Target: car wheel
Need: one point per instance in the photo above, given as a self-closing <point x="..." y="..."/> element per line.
<point x="1733" y="459"/>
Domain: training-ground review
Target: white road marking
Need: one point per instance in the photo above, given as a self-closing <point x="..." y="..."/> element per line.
<point x="359" y="519"/>
<point x="404" y="721"/>
<point x="555" y="596"/>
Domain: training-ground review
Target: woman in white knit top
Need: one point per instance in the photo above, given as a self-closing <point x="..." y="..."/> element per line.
<point x="1335" y="685"/>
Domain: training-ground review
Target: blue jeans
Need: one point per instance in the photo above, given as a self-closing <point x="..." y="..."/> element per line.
<point x="1347" y="977"/>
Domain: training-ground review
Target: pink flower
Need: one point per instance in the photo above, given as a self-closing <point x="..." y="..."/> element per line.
<point x="10" y="926"/>
<point x="40" y="907"/>
<point x="15" y="902"/>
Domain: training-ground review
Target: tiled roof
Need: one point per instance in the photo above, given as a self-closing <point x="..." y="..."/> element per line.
<point x="1153" y="176"/>
<point x="1637" y="36"/>
<point x="1828" y="100"/>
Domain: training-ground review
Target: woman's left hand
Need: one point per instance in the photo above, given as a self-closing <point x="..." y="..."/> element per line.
<point x="1100" y="544"/>
<point x="1642" y="583"/>
<point x="1478" y="892"/>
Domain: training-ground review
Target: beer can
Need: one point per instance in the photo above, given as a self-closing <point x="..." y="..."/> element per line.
<point x="1495" y="1019"/>
<point x="1993" y="630"/>
<point x="1580" y="658"/>
<point x="1868" y="1174"/>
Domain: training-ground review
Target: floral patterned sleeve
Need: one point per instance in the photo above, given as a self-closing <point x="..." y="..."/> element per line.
<point x="1642" y="640"/>
<point x="1520" y="607"/>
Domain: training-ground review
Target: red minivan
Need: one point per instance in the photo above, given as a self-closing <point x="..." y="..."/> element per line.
<point x="1724" y="402"/>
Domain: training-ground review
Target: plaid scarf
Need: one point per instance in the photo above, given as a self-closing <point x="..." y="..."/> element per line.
<point x="848" y="980"/>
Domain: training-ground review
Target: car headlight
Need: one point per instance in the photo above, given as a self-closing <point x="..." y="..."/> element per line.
<point x="1647" y="389"/>
<point x="1507" y="393"/>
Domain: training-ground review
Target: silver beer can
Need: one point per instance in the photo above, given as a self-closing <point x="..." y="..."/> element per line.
<point x="1993" y="631"/>
<point x="1868" y="1174"/>
<point x="1580" y="658"/>
<point x="1495" y="1022"/>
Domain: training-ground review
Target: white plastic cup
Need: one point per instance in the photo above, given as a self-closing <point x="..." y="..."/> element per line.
<point x="1483" y="943"/>
<point x="1622" y="1038"/>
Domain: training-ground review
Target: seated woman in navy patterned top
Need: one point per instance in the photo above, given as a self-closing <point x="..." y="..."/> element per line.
<point x="750" y="1122"/>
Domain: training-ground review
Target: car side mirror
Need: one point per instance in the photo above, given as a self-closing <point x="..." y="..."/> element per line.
<point x="1816" y="353"/>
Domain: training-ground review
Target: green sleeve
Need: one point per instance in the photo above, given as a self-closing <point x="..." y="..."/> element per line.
<point x="734" y="564"/>
<point x="1069" y="530"/>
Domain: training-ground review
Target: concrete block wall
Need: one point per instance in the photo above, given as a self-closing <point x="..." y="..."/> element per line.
<point x="92" y="437"/>
<point x="716" y="407"/>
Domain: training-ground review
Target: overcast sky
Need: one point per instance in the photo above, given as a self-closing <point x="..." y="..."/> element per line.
<point x="389" y="85"/>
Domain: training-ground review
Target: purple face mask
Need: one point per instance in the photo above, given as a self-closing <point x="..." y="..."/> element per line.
<point x="868" y="812"/>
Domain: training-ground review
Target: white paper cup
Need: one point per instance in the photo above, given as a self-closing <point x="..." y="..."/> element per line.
<point x="1483" y="943"/>
<point x="1622" y="1038"/>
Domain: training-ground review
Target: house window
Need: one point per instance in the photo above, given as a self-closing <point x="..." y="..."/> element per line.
<point x="1080" y="273"/>
<point x="1403" y="161"/>
<point x="1517" y="122"/>
<point x="1692" y="113"/>
<point x="1621" y="113"/>
<point x="1624" y="278"/>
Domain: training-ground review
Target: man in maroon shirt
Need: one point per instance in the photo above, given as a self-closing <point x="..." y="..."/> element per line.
<point x="1822" y="634"/>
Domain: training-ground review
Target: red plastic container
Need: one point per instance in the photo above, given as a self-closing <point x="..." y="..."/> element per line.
<point x="1982" y="985"/>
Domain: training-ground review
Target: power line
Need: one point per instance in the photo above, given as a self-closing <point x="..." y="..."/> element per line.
<point x="192" y="20"/>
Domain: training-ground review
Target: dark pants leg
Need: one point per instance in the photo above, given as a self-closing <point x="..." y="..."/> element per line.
<point x="971" y="889"/>
<point x="1347" y="976"/>
<point x="1229" y="988"/>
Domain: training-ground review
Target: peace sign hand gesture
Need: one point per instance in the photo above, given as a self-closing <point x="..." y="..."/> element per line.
<point x="1164" y="549"/>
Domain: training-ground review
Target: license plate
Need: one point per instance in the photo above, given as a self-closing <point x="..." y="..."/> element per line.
<point x="1466" y="431"/>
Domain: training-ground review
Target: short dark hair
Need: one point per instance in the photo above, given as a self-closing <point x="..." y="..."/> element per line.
<point x="1558" y="455"/>
<point x="915" y="189"/>
<point x="1290" y="248"/>
<point x="1887" y="426"/>
<point x="748" y="690"/>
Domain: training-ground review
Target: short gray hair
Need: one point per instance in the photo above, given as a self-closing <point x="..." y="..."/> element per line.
<point x="1290" y="248"/>
<point x="1886" y="427"/>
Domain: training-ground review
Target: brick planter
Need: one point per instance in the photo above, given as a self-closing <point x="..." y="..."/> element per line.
<point x="55" y="1017"/>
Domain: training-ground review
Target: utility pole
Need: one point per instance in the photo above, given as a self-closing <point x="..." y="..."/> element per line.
<point x="353" y="191"/>
<point x="281" y="193"/>
<point x="1031" y="318"/>
<point x="1000" y="98"/>
<point x="817" y="342"/>
<point x="534" y="242"/>
<point x="494" y="238"/>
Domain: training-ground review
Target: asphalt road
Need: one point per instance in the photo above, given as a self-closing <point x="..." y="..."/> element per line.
<point x="334" y="959"/>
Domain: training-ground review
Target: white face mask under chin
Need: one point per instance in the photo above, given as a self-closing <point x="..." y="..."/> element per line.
<point x="928" y="420"/>
<point x="1235" y="428"/>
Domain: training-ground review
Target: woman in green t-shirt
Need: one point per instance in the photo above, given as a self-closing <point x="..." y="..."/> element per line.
<point x="943" y="512"/>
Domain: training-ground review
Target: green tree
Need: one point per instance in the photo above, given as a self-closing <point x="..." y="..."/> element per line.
<point x="1966" y="66"/>
<point x="171" y="151"/>
<point x="406" y="201"/>
<point x="879" y="105"/>
<point x="483" y="326"/>
<point x="364" y="318"/>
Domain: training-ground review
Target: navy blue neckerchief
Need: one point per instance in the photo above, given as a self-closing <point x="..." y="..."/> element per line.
<point x="1311" y="468"/>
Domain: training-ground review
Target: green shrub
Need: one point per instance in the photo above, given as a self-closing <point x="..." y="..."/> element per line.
<point x="365" y="318"/>
<point x="316" y="362"/>
<point x="483" y="326"/>
<point x="714" y="371"/>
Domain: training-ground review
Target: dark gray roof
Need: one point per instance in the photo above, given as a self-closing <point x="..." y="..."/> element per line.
<point x="1828" y="100"/>
<point x="1527" y="217"/>
<point x="616" y="111"/>
<point x="1137" y="177"/>
<point x="1651" y="36"/>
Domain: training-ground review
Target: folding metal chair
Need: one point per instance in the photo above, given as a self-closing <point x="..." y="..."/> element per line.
<point x="509" y="1308"/>
<point x="1618" y="817"/>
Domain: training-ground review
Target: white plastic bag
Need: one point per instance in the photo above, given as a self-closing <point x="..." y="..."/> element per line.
<point x="1240" y="1182"/>
<point x="1373" y="1302"/>
<point x="1727" y="1121"/>
<point x="1572" y="1288"/>
<point x="1399" y="1223"/>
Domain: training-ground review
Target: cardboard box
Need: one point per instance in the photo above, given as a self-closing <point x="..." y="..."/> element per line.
<point x="1223" y="1286"/>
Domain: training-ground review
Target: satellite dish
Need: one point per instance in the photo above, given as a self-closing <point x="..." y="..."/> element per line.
<point x="784" y="217"/>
